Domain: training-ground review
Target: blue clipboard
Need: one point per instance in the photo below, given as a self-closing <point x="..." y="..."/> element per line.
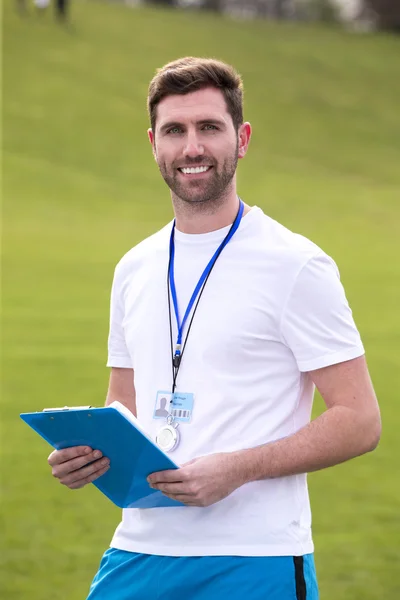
<point x="133" y="455"/>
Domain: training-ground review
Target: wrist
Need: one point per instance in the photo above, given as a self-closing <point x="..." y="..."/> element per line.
<point x="242" y="468"/>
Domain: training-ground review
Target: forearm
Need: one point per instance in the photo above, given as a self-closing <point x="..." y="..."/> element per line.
<point x="121" y="388"/>
<point x="334" y="437"/>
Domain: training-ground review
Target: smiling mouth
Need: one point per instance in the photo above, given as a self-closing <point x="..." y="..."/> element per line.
<point x="195" y="170"/>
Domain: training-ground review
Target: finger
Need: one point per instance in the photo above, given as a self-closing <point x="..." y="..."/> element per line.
<point x="63" y="469"/>
<point x="175" y="488"/>
<point x="187" y="500"/>
<point x="79" y="484"/>
<point x="170" y="476"/>
<point x="57" y="457"/>
<point x="81" y="474"/>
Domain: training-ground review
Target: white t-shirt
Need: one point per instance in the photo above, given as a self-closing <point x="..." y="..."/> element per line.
<point x="273" y="308"/>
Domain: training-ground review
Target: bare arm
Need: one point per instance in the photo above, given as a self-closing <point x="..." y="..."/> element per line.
<point x="79" y="465"/>
<point x="349" y="427"/>
<point x="121" y="388"/>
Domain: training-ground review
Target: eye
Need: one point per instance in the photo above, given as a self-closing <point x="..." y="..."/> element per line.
<point x="210" y="127"/>
<point x="175" y="129"/>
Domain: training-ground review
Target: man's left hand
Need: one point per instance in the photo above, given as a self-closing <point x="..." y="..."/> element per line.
<point x="200" y="482"/>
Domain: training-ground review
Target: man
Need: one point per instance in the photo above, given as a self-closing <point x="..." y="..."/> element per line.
<point x="61" y="9"/>
<point x="240" y="318"/>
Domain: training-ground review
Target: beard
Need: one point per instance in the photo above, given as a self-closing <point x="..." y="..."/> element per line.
<point x="199" y="191"/>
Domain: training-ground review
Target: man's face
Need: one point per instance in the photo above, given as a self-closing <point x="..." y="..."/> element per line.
<point x="195" y="145"/>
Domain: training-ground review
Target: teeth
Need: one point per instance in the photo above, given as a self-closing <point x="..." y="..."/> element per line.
<point x="194" y="170"/>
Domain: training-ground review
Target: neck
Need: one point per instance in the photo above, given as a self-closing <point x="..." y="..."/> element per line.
<point x="203" y="217"/>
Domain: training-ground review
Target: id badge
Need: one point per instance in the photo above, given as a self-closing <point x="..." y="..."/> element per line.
<point x="178" y="405"/>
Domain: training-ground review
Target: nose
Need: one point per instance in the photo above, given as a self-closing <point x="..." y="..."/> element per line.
<point x="193" y="147"/>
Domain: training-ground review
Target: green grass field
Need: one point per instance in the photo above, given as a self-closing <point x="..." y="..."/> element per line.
<point x="81" y="188"/>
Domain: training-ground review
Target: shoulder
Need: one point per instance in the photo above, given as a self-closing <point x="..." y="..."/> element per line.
<point x="146" y="251"/>
<point x="289" y="251"/>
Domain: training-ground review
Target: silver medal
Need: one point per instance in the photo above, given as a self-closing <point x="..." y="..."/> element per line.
<point x="168" y="437"/>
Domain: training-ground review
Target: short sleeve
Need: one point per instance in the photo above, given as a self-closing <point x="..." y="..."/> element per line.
<point x="118" y="354"/>
<point x="317" y="322"/>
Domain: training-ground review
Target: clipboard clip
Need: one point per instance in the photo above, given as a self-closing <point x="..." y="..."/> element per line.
<point x="67" y="408"/>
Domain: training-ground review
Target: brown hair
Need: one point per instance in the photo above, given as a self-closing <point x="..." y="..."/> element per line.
<point x="191" y="74"/>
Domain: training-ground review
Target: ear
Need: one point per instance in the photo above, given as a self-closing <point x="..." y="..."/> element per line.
<point x="244" y="135"/>
<point x="150" y="135"/>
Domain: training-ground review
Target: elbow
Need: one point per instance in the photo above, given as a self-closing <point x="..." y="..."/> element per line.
<point x="372" y="443"/>
<point x="373" y="434"/>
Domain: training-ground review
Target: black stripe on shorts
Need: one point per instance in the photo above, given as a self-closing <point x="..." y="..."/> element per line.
<point x="301" y="590"/>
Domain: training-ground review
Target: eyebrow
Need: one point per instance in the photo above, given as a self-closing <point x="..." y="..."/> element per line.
<point x="211" y="121"/>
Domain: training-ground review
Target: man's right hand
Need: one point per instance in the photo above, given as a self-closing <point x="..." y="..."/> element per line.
<point x="71" y="465"/>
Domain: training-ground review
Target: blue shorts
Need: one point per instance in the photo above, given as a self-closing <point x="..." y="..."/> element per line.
<point x="130" y="576"/>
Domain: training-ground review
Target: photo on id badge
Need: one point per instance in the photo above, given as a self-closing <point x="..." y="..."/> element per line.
<point x="178" y="405"/>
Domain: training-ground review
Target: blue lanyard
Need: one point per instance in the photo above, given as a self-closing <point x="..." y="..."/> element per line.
<point x="200" y="284"/>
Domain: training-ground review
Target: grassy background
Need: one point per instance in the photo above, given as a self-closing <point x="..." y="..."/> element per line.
<point x="81" y="188"/>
